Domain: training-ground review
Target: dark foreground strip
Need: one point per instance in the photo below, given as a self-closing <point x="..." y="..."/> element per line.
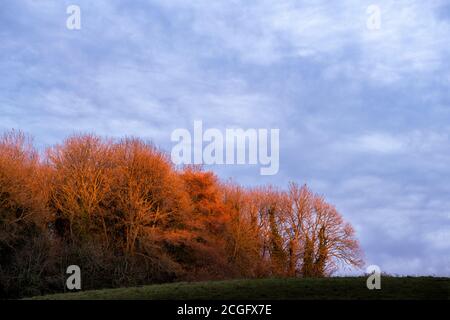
<point x="230" y="309"/>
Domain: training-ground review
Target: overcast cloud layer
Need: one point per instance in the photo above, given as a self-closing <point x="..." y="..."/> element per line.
<point x="364" y="115"/>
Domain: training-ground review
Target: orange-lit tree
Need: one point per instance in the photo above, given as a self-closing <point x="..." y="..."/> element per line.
<point x="127" y="216"/>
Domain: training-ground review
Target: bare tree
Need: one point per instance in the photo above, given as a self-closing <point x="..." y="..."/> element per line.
<point x="80" y="183"/>
<point x="319" y="239"/>
<point x="24" y="242"/>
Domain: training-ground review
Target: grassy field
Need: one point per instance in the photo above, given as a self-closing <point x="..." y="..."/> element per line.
<point x="283" y="289"/>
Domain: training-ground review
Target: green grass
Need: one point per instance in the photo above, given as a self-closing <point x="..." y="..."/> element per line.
<point x="283" y="289"/>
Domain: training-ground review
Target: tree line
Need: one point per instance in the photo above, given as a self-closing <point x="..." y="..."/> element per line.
<point x="121" y="211"/>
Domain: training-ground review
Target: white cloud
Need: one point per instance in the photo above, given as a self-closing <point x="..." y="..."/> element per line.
<point x="413" y="142"/>
<point x="381" y="143"/>
<point x="411" y="38"/>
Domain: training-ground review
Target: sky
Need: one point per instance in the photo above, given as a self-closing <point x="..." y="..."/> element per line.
<point x="363" y="113"/>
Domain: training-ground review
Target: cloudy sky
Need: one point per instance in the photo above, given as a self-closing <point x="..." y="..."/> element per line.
<point x="363" y="113"/>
